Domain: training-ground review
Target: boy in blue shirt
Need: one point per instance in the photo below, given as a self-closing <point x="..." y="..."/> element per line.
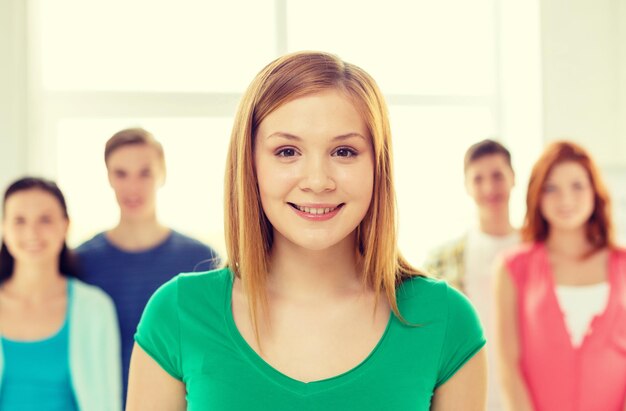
<point x="131" y="260"/>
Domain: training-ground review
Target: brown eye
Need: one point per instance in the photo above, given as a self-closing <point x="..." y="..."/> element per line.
<point x="286" y="152"/>
<point x="345" y="152"/>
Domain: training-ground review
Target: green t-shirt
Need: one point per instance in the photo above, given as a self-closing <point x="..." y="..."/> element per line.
<point x="188" y="328"/>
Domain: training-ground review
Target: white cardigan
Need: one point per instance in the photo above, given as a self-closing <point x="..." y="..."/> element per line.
<point x="95" y="361"/>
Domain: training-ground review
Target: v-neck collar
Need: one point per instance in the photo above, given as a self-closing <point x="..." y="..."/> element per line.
<point x="287" y="382"/>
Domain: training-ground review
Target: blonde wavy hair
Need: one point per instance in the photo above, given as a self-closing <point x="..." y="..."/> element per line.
<point x="249" y="234"/>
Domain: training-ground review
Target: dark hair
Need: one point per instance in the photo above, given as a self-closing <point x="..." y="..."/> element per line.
<point x="485" y="148"/>
<point x="67" y="261"/>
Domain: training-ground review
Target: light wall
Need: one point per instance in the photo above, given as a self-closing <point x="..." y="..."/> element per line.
<point x="13" y="80"/>
<point x="583" y="75"/>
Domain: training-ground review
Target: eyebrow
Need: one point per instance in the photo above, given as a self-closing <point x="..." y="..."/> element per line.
<point x="289" y="136"/>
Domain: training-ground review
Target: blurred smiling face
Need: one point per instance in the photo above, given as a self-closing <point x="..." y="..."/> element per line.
<point x="315" y="170"/>
<point x="489" y="181"/>
<point x="567" y="201"/>
<point x="34" y="226"/>
<point x="135" y="173"/>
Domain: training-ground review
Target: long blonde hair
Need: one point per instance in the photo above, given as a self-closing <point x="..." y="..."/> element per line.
<point x="249" y="233"/>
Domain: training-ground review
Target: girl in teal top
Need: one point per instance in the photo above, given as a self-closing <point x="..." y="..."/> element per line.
<point x="59" y="343"/>
<point x="38" y="372"/>
<point x="315" y="309"/>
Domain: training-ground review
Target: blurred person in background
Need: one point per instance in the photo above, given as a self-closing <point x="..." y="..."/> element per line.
<point x="561" y="296"/>
<point x="59" y="337"/>
<point x="131" y="260"/>
<point x="467" y="262"/>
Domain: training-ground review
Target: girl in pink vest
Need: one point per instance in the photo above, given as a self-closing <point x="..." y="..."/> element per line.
<point x="561" y="297"/>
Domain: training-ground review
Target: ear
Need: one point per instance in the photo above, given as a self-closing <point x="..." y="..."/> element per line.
<point x="162" y="178"/>
<point x="109" y="175"/>
<point x="66" y="229"/>
<point x="466" y="184"/>
<point x="162" y="170"/>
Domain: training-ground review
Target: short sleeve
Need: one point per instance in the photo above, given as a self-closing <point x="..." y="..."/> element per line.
<point x="158" y="332"/>
<point x="463" y="338"/>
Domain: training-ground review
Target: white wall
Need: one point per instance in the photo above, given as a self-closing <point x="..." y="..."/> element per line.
<point x="521" y="92"/>
<point x="584" y="75"/>
<point x="13" y="105"/>
<point x="583" y="71"/>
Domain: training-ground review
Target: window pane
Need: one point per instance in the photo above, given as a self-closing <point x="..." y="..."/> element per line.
<point x="429" y="144"/>
<point x="409" y="47"/>
<point x="144" y="45"/>
<point x="191" y="200"/>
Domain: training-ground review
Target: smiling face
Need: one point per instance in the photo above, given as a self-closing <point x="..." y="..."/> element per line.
<point x="135" y="174"/>
<point x="34" y="226"/>
<point x="489" y="180"/>
<point x="567" y="201"/>
<point x="315" y="170"/>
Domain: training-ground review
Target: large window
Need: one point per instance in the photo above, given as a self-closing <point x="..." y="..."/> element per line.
<point x="179" y="68"/>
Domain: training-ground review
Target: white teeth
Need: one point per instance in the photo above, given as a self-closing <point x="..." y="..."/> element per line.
<point x="316" y="211"/>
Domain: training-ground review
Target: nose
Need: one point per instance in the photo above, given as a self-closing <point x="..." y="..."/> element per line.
<point x="490" y="186"/>
<point x="568" y="198"/>
<point x="316" y="176"/>
<point x="31" y="231"/>
<point x="132" y="185"/>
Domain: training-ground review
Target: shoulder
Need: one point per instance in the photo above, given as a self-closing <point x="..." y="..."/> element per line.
<point x="419" y="287"/>
<point x="189" y="244"/>
<point x="424" y="298"/>
<point x="447" y="261"/>
<point x="449" y="248"/>
<point x="446" y="317"/>
<point x="94" y="244"/>
<point x="618" y="261"/>
<point x="520" y="255"/>
<point x="620" y="253"/>
<point x="213" y="280"/>
<point x="92" y="305"/>
<point x="189" y="288"/>
<point x="86" y="292"/>
<point x="173" y="310"/>
<point x="431" y="297"/>
<point x="182" y="239"/>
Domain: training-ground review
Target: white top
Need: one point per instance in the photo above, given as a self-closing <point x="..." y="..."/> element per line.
<point x="481" y="251"/>
<point x="580" y="304"/>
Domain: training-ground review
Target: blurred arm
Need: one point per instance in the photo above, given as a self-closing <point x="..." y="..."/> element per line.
<point x="514" y="391"/>
<point x="152" y="388"/>
<point x="466" y="390"/>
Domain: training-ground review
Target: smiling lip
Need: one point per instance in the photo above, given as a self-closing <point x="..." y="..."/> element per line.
<point x="566" y="213"/>
<point x="132" y="203"/>
<point x="33" y="248"/>
<point x="317" y="212"/>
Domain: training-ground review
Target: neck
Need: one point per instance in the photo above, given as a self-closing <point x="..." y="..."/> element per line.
<point x="495" y="223"/>
<point x="305" y="274"/>
<point x="569" y="243"/>
<point x="34" y="281"/>
<point x="138" y="234"/>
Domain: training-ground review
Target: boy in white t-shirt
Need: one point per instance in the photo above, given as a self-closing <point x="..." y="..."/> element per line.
<point x="466" y="262"/>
